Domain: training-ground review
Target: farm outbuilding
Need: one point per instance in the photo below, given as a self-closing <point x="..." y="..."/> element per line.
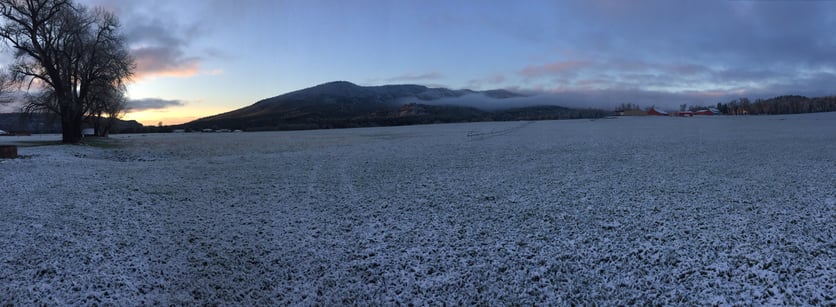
<point x="708" y="111"/>
<point x="655" y="111"/>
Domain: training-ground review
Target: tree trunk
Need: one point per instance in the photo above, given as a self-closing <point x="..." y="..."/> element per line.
<point x="108" y="124"/>
<point x="70" y="128"/>
<point x="97" y="124"/>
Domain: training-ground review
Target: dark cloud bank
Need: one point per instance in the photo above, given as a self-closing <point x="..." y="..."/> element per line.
<point x="151" y="104"/>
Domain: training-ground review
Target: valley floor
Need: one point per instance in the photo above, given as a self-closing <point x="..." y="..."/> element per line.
<point x="714" y="210"/>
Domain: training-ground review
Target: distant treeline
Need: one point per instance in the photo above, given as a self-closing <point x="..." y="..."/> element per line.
<point x="791" y="104"/>
<point x="50" y="123"/>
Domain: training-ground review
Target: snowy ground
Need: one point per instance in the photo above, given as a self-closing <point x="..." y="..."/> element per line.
<point x="612" y="211"/>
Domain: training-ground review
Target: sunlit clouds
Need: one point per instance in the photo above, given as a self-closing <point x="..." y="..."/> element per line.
<point x="151" y="63"/>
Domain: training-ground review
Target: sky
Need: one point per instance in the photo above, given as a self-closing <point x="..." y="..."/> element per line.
<point x="197" y="58"/>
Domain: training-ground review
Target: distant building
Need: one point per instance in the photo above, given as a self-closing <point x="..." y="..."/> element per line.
<point x="709" y="111"/>
<point x="655" y="111"/>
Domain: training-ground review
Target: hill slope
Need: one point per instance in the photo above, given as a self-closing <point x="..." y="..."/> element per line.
<point x="343" y="104"/>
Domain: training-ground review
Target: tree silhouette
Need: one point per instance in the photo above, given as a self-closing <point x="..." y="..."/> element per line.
<point x="71" y="60"/>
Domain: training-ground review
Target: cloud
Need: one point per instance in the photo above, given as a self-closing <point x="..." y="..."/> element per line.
<point x="660" y="76"/>
<point x="591" y="99"/>
<point x="562" y="67"/>
<point x="489" y="80"/>
<point x="749" y="47"/>
<point x="416" y="77"/>
<point x="159" y="39"/>
<point x="152" y="104"/>
<point x="162" y="61"/>
<point x="609" y="98"/>
<point x="161" y="49"/>
<point x="733" y="33"/>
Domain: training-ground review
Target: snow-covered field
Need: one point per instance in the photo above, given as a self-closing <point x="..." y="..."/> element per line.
<point x="715" y="210"/>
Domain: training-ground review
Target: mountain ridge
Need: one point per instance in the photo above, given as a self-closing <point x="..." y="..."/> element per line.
<point x="342" y="104"/>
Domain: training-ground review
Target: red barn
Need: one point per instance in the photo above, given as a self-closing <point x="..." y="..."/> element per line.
<point x="655" y="111"/>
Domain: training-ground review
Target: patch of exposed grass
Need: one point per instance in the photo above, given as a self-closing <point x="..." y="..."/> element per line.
<point x="35" y="143"/>
<point x="101" y="142"/>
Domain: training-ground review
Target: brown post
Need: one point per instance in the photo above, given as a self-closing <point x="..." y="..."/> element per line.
<point x="8" y="151"/>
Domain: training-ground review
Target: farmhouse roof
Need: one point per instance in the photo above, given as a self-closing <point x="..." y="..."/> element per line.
<point x="654" y="110"/>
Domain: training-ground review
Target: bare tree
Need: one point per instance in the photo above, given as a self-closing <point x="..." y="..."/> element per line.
<point x="106" y="106"/>
<point x="72" y="60"/>
<point x="107" y="68"/>
<point x="6" y="87"/>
